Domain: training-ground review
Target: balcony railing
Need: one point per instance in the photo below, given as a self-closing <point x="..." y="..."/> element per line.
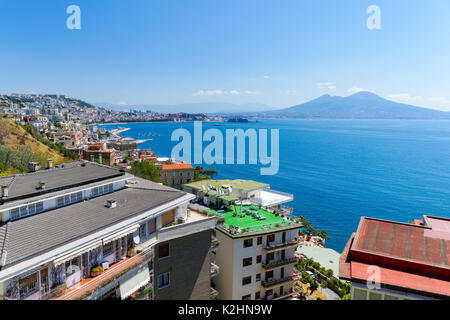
<point x="283" y="245"/>
<point x="91" y="286"/>
<point x="277" y="296"/>
<point x="271" y="283"/>
<point x="215" y="243"/>
<point x="214" y="269"/>
<point x="214" y="294"/>
<point x="280" y="263"/>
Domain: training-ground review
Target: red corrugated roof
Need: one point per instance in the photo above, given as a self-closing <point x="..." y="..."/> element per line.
<point x="408" y="255"/>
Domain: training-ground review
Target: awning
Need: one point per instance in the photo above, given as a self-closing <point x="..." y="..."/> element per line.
<point x="132" y="285"/>
<point x="76" y="253"/>
<point x="120" y="234"/>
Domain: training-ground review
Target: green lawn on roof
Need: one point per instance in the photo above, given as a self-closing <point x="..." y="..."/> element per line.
<point x="250" y="221"/>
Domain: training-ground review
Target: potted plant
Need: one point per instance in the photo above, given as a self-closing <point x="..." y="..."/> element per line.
<point x="95" y="271"/>
<point x="131" y="252"/>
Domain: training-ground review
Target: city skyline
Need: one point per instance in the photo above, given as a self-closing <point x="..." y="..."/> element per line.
<point x="241" y="53"/>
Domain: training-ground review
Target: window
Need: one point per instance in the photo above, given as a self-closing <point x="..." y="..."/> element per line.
<point x="23" y="211"/>
<point x="142" y="233"/>
<point x="72" y="266"/>
<point x="270" y="257"/>
<point x="68" y="199"/>
<point x="269" y="275"/>
<point x="258" y="259"/>
<point x="163" y="280"/>
<point x="270" y="238"/>
<point x="108" y="249"/>
<point x="259" y="241"/>
<point x="247" y="297"/>
<point x="39" y="207"/>
<point x="28" y="285"/>
<point x="246" y="280"/>
<point x="15" y="214"/>
<point x="151" y="226"/>
<point x="247" y="262"/>
<point x="258" y="277"/>
<point x="32" y="208"/>
<point x="163" y="250"/>
<point x="248" y="243"/>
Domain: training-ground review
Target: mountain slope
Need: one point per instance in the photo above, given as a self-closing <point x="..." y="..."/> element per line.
<point x="362" y="105"/>
<point x="18" y="147"/>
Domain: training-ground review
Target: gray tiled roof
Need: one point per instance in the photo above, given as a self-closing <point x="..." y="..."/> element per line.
<point x="37" y="234"/>
<point x="67" y="175"/>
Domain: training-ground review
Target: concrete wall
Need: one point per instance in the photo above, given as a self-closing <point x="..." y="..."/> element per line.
<point x="189" y="264"/>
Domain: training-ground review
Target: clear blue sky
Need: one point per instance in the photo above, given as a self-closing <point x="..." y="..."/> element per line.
<point x="278" y="53"/>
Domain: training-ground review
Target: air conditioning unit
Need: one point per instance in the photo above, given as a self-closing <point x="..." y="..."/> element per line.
<point x="105" y="265"/>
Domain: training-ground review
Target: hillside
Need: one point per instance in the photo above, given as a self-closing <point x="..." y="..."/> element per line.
<point x="18" y="148"/>
<point x="362" y="105"/>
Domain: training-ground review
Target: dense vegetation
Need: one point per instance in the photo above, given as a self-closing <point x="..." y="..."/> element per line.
<point x="18" y="147"/>
<point x="61" y="149"/>
<point x="202" y="174"/>
<point x="313" y="231"/>
<point x="146" y="170"/>
<point x="325" y="276"/>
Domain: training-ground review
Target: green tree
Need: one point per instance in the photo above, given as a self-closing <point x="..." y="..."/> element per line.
<point x="146" y="170"/>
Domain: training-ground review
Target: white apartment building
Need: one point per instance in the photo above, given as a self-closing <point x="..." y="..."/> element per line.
<point x="258" y="238"/>
<point x="82" y="230"/>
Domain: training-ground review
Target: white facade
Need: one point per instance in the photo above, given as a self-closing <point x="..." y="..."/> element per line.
<point x="230" y="257"/>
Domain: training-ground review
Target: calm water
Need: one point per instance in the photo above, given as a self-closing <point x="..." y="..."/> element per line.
<point x="340" y="170"/>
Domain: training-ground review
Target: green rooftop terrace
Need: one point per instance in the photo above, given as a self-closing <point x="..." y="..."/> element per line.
<point x="248" y="219"/>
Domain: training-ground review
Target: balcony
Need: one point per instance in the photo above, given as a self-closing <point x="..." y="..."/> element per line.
<point x="276" y="264"/>
<point x="284" y="245"/>
<point x="214" y="294"/>
<point x="277" y="296"/>
<point x="272" y="283"/>
<point x="112" y="276"/>
<point x="214" y="269"/>
<point x="214" y="244"/>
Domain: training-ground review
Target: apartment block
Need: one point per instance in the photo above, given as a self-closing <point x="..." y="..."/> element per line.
<point x="257" y="238"/>
<point x="81" y="230"/>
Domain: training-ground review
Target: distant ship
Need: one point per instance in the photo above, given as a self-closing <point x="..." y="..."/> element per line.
<point x="238" y="120"/>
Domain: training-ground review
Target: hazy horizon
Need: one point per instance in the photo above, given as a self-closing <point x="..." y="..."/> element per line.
<point x="252" y="52"/>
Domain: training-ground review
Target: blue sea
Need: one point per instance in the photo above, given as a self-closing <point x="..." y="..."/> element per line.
<point x="340" y="170"/>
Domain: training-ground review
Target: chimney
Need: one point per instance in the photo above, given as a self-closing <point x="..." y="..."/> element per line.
<point x="100" y="158"/>
<point x="92" y="158"/>
<point x="33" y="166"/>
<point x="111" y="203"/>
<point x="42" y="185"/>
<point x="49" y="163"/>
<point x="5" y="191"/>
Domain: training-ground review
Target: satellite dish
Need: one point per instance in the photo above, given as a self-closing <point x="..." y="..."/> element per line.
<point x="136" y="239"/>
